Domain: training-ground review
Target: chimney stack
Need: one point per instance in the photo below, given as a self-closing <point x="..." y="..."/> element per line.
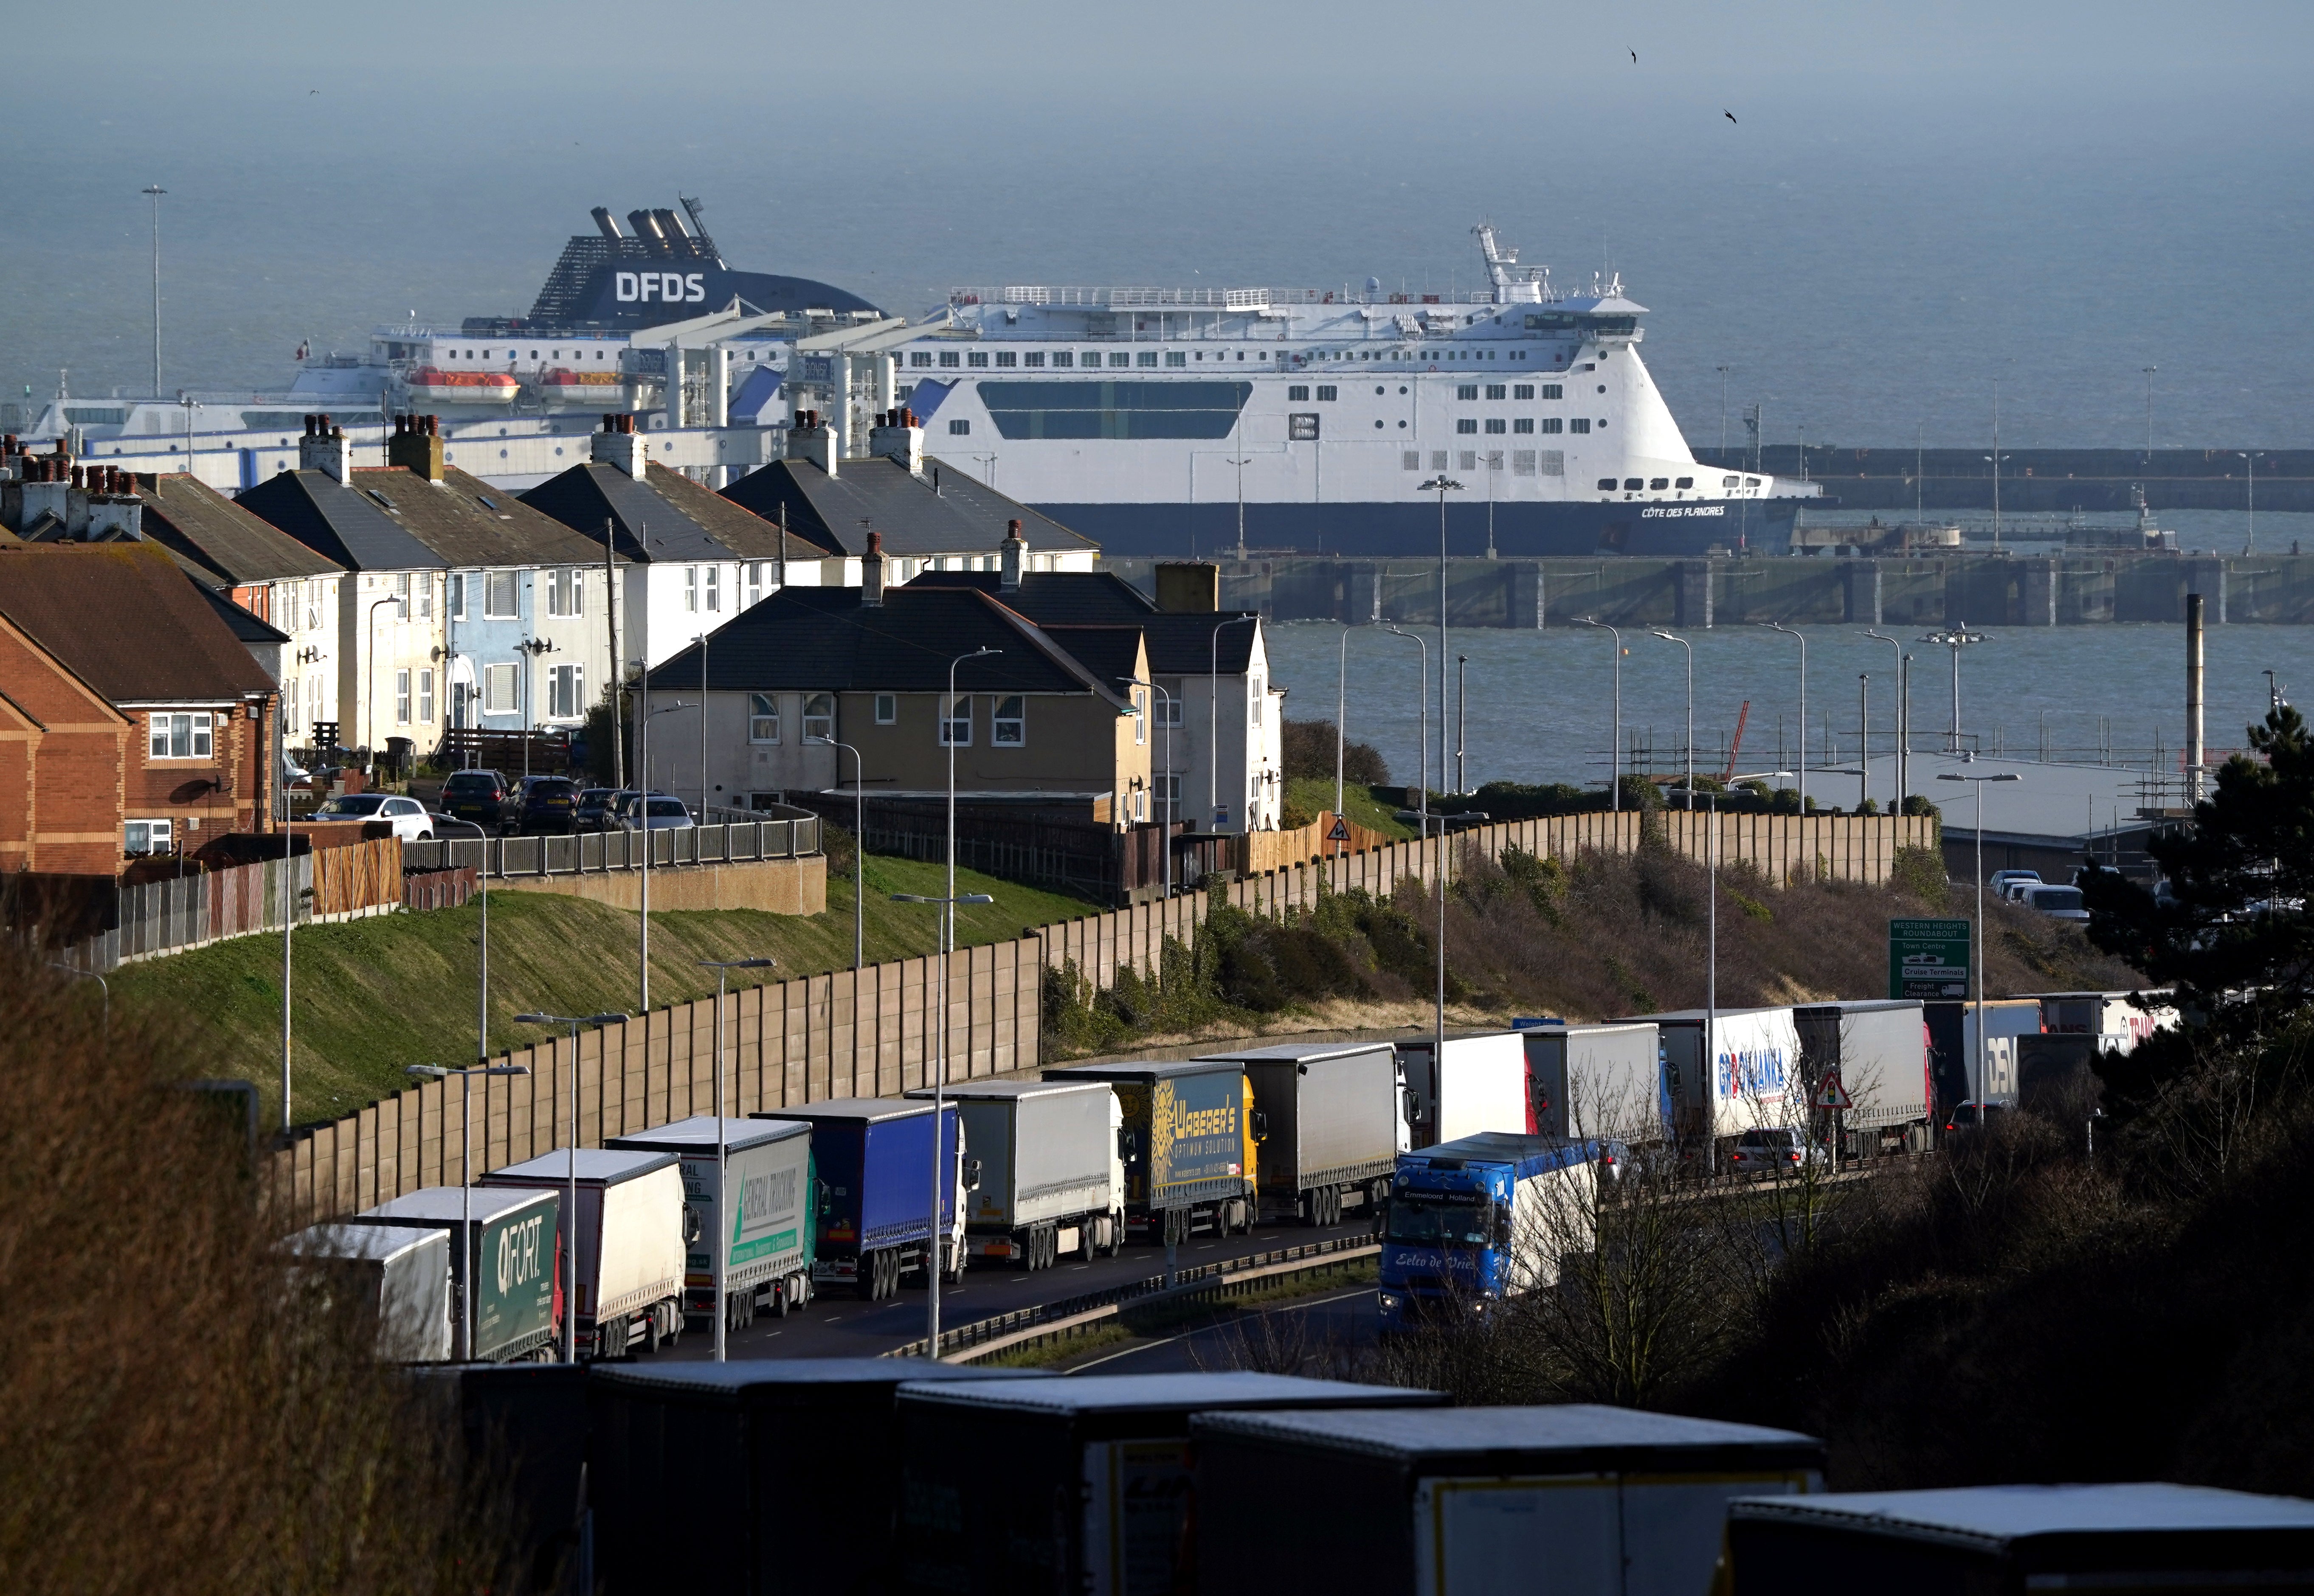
<point x="416" y="445"/>
<point x="2193" y="697"/>
<point x="897" y="436"/>
<point x="619" y="444"/>
<point x="812" y="438"/>
<point x="1012" y="556"/>
<point x="1186" y="587"/>
<point x="872" y="573"/>
<point x="325" y="449"/>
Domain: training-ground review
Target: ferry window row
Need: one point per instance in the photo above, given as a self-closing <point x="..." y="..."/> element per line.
<point x="1010" y="359"/>
<point x="1647" y="484"/>
<point x="1519" y="424"/>
<point x="1524" y="462"/>
<point x="511" y="354"/>
<point x="1509" y="390"/>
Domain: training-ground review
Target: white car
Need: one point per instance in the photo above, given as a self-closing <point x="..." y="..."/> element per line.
<point x="407" y="816"/>
<point x="2055" y="903"/>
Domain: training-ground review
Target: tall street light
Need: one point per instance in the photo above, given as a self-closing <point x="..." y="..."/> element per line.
<point x="1462" y="719"/>
<point x="571" y="1169"/>
<point x="153" y="193"/>
<point x="1442" y="485"/>
<point x="2149" y="370"/>
<point x="1213" y="716"/>
<point x="1903" y="707"/>
<point x="1615" y="726"/>
<point x="702" y="640"/>
<point x="1978" y="783"/>
<point x="1341" y="713"/>
<point x="644" y="819"/>
<point x="1997" y="459"/>
<point x="1863" y="739"/>
<point x="1682" y="642"/>
<point x="1165" y="725"/>
<point x="1955" y="638"/>
<point x="2250" y="542"/>
<point x="858" y="848"/>
<point x="1801" y="762"/>
<point x="723" y="968"/>
<point x="1423" y="739"/>
<point x="469" y="1255"/>
<point x="1240" y="463"/>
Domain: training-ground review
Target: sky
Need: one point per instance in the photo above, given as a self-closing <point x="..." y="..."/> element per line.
<point x="1908" y="204"/>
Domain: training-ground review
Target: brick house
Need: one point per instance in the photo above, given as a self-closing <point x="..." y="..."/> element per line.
<point x="187" y="708"/>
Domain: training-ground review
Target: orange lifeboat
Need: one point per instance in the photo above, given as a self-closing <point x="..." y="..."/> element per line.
<point x="432" y="383"/>
<point x="584" y="390"/>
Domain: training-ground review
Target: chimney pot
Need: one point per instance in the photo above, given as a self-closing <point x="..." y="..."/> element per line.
<point x="1012" y="556"/>
<point x="872" y="573"/>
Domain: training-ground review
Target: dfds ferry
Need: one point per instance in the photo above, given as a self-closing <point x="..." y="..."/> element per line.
<point x="1159" y="420"/>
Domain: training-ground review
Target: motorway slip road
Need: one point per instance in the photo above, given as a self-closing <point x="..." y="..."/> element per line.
<point x="839" y="1325"/>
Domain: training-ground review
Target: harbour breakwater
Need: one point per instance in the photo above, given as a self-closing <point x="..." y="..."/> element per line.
<point x="2091" y="480"/>
<point x="1982" y="590"/>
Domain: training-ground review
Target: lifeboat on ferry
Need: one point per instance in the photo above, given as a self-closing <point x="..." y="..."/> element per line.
<point x="584" y="390"/>
<point x="433" y="384"/>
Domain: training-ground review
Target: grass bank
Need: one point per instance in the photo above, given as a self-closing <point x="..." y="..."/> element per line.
<point x="374" y="995"/>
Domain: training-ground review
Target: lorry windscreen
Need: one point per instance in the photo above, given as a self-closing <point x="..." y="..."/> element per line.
<point x="1417" y="1222"/>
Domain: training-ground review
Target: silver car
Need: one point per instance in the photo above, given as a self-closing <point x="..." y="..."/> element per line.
<point x="663" y="815"/>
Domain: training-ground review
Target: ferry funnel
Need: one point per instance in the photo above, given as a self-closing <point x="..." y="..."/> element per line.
<point x="603" y="220"/>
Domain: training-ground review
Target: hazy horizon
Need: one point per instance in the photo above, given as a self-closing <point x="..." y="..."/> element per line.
<point x="1902" y="210"/>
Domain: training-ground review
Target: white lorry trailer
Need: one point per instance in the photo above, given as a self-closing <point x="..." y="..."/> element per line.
<point x="1748" y="1078"/>
<point x="1052" y="1175"/>
<point x="626" y="1243"/>
<point x="1879" y="1049"/>
<point x="509" y="1260"/>
<point x="1596" y="1079"/>
<point x="767" y="1230"/>
<point x="1479" y="1084"/>
<point x="1326" y="1115"/>
<point x="400" y="1279"/>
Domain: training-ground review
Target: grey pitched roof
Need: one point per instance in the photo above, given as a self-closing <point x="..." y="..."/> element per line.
<point x="393" y="519"/>
<point x="940" y="512"/>
<point x="1180" y="644"/>
<point x="667" y="516"/>
<point x="225" y="539"/>
<point x="123" y="618"/>
<point x="825" y="639"/>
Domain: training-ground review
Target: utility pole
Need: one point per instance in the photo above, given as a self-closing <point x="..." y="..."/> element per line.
<point x="618" y="676"/>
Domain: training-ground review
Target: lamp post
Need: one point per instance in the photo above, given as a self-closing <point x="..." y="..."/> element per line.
<point x="1213" y="715"/>
<point x="1791" y="632"/>
<point x="643" y="821"/>
<point x="1423" y="737"/>
<point x="1863" y="739"/>
<point x="1341" y="713"/>
<point x="469" y="1255"/>
<point x="1615" y="726"/>
<point x="2249" y="542"/>
<point x="2149" y="371"/>
<point x="369" y="676"/>
<point x="1442" y="485"/>
<point x="105" y="991"/>
<point x="1240" y="463"/>
<point x="1955" y="638"/>
<point x="1711" y="959"/>
<point x="1462" y="719"/>
<point x="1903" y="709"/>
<point x="1682" y="642"/>
<point x="1723" y="418"/>
<point x="702" y="640"/>
<point x="1168" y="700"/>
<point x="859" y="850"/>
<point x="571" y="1169"/>
<point x="153" y="193"/>
<point x="1996" y="458"/>
<point x="1978" y="783"/>
<point x="530" y="649"/>
<point x="723" y="968"/>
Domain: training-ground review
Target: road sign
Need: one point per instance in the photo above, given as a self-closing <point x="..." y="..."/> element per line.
<point x="1341" y="832"/>
<point x="1832" y="1094"/>
<point x="1928" y="958"/>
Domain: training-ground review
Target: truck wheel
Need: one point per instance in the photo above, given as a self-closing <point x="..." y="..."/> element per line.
<point x="868" y="1276"/>
<point x="1085" y="1249"/>
<point x="1116" y="1234"/>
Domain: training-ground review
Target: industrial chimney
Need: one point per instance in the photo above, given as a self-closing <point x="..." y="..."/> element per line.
<point x="2193" y="697"/>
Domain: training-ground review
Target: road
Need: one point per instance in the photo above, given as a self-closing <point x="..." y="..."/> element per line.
<point x="1266" y="1338"/>
<point x="840" y="1326"/>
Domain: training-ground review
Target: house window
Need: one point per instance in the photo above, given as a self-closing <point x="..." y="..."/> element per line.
<point x="312" y="604"/>
<point x="955" y="721"/>
<point x="566" y="593"/>
<point x="402" y="698"/>
<point x="1009" y="727"/>
<point x="1327" y="393"/>
<point x="289" y="700"/>
<point x="888" y="709"/>
<point x="426" y="596"/>
<point x="566" y="687"/>
<point x="147" y="836"/>
<point x="1168" y="710"/>
<point x="1466" y="391"/>
<point x="501" y="595"/>
<point x="402" y="596"/>
<point x="1257" y="696"/>
<point x="314" y="689"/>
<point x="1140" y="805"/>
<point x="181" y="735"/>
<point x="756" y="576"/>
<point x="921" y="358"/>
<point x="497" y="689"/>
<point x="691" y="588"/>
<point x="1140" y="718"/>
<point x="819" y="717"/>
<point x="455" y="600"/>
<point x="1168" y="792"/>
<point x="949" y="358"/>
<point x="714" y="589"/>
<point x="958" y="429"/>
<point x="763" y="717"/>
<point x="1468" y="424"/>
<point x="426" y="698"/>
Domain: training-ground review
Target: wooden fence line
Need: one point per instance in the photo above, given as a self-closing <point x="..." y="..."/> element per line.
<point x="867" y="1033"/>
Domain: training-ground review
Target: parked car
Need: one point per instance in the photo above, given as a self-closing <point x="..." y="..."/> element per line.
<point x="450" y="828"/>
<point x="546" y="804"/>
<point x="407" y="816"/>
<point x="1968" y="1116"/>
<point x="2001" y="881"/>
<point x="594" y="811"/>
<point x="2055" y="903"/>
<point x="665" y="815"/>
<point x="478" y="796"/>
<point x="1763" y="1150"/>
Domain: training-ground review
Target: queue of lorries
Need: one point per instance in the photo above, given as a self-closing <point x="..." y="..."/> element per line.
<point x="611" y="1249"/>
<point x="843" y="1477"/>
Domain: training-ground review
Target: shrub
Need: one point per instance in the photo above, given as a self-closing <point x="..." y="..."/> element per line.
<point x="1309" y="750"/>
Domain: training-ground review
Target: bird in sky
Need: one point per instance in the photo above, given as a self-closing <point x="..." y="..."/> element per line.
<point x="1635" y="58"/>
<point x="1728" y="114"/>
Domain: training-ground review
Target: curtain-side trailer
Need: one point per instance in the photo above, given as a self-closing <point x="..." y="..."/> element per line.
<point x="768" y="1228"/>
<point x="513" y="1259"/>
<point x="1880" y="1049"/>
<point x="625" y="1239"/>
<point x="400" y="1280"/>
<point x="1190" y="1162"/>
<point x="1327" y="1125"/>
<point x="1749" y="1079"/>
<point x="878" y="1231"/>
<point x="1051" y="1167"/>
<point x="1596" y="1081"/>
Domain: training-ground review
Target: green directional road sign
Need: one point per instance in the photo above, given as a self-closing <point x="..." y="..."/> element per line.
<point x="1928" y="958"/>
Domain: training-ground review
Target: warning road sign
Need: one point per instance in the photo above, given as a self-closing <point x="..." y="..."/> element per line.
<point x="1832" y="1094"/>
<point x="1341" y="832"/>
